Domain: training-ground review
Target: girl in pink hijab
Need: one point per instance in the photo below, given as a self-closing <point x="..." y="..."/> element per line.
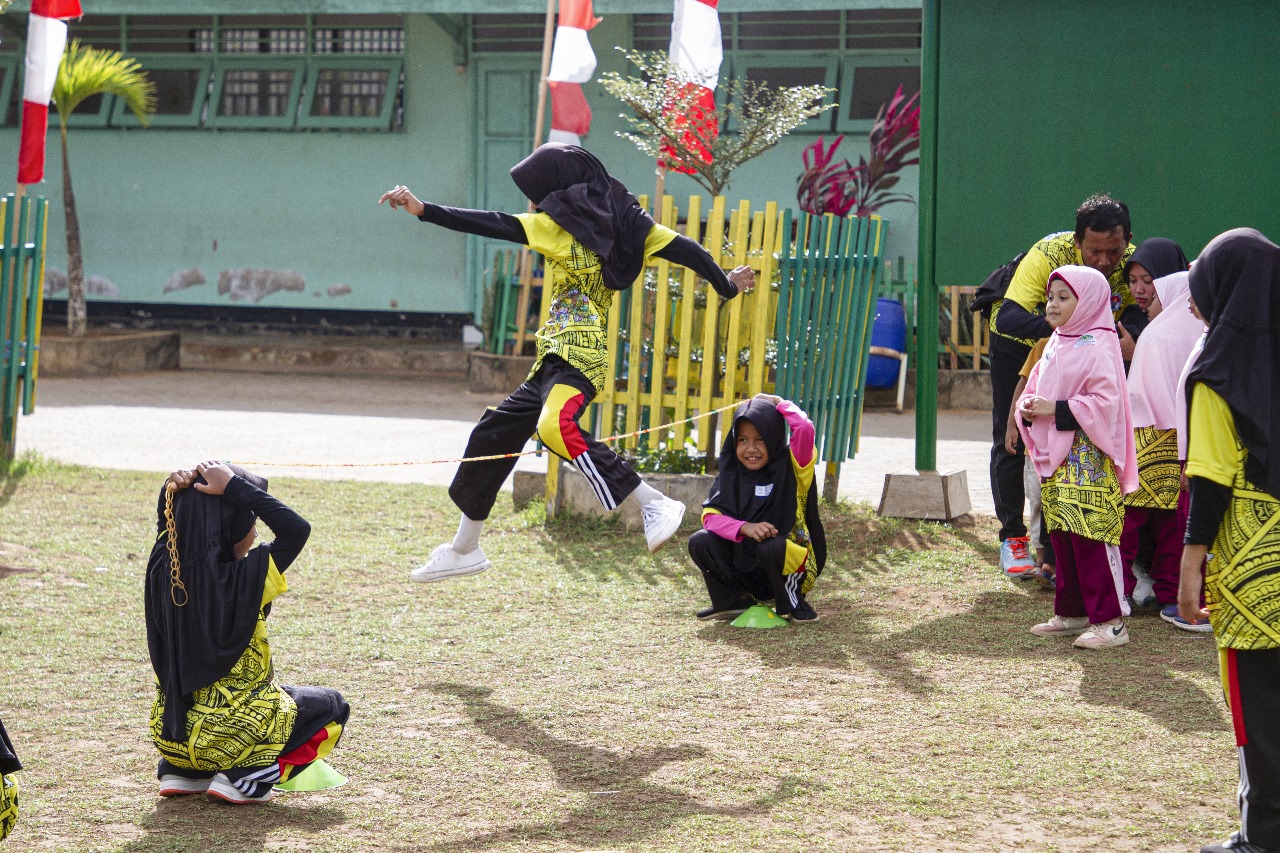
<point x="1074" y="419"/>
<point x="1154" y="391"/>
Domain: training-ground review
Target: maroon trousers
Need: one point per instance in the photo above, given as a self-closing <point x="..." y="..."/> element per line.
<point x="1166" y="561"/>
<point x="1088" y="579"/>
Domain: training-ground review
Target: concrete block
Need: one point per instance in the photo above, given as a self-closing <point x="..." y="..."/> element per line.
<point x="931" y="495"/>
<point x="964" y="389"/>
<point x="488" y="373"/>
<point x="528" y="487"/>
<point x="102" y="353"/>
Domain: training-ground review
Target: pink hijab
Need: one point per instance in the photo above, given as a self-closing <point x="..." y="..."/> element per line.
<point x="1161" y="354"/>
<point x="1082" y="365"/>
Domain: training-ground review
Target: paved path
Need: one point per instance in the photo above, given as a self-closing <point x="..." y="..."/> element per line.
<point x="164" y="420"/>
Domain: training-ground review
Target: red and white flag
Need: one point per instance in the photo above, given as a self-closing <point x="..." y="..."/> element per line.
<point x="572" y="64"/>
<point x="696" y="49"/>
<point x="46" y="40"/>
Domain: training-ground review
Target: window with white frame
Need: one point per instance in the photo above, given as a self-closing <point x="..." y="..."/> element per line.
<point x="257" y="71"/>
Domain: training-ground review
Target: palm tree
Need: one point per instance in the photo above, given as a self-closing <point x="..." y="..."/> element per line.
<point x="83" y="73"/>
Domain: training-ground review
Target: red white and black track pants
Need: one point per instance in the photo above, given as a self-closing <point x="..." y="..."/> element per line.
<point x="1251" y="683"/>
<point x="549" y="404"/>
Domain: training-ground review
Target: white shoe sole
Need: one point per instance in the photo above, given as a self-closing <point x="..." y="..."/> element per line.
<point x="1102" y="644"/>
<point x="1189" y="627"/>
<point x="1062" y="632"/>
<point x="421" y="575"/>
<point x="177" y="786"/>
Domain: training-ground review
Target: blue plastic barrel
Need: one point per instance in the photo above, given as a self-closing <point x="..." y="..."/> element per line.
<point x="888" y="331"/>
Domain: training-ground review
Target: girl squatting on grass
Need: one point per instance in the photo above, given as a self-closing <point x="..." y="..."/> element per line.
<point x="762" y="538"/>
<point x="596" y="238"/>
<point x="222" y="724"/>
<point x="1074" y="418"/>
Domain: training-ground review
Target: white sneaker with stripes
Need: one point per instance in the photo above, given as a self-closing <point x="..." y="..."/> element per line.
<point x="662" y="517"/>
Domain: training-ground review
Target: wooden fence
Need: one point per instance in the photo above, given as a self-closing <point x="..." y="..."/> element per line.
<point x="678" y="351"/>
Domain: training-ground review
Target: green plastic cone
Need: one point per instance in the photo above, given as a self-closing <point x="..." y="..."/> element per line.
<point x="316" y="777"/>
<point x="759" y="616"/>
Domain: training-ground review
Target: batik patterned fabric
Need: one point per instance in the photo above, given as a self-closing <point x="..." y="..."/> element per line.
<point x="580" y="301"/>
<point x="1159" y="472"/>
<point x="8" y="804"/>
<point x="240" y="721"/>
<point x="1083" y="495"/>
<point x="579" y="311"/>
<point x="1242" y="580"/>
<point x="1055" y="251"/>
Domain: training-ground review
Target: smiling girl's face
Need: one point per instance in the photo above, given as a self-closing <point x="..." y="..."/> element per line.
<point x="751" y="450"/>
<point x="1060" y="303"/>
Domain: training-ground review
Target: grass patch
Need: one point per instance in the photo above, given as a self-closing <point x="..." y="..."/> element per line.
<point x="567" y="700"/>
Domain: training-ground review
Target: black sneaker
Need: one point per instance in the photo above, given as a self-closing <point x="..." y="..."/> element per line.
<point x="733" y="611"/>
<point x="803" y="612"/>
<point x="1235" y="845"/>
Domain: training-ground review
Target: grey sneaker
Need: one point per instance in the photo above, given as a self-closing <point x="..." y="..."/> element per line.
<point x="662" y="517"/>
<point x="447" y="563"/>
<point x="1015" y="556"/>
<point x="1060" y="626"/>
<point x="1104" y="636"/>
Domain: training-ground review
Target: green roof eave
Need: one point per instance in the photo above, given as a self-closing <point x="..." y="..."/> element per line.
<point x="298" y="7"/>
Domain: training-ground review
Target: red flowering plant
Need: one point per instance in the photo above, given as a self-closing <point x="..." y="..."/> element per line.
<point x="841" y="188"/>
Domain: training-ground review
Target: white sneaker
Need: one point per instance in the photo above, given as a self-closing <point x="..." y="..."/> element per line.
<point x="240" y="793"/>
<point x="662" y="517"/>
<point x="1060" y="625"/>
<point x="447" y="563"/>
<point x="1103" y="636"/>
<point x="1144" y="592"/>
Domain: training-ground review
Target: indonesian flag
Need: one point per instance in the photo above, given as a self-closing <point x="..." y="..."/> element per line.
<point x="572" y="64"/>
<point x="695" y="49"/>
<point x="46" y="39"/>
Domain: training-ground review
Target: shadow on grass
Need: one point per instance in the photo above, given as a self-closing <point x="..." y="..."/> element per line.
<point x="627" y="808"/>
<point x="11" y="473"/>
<point x="203" y="824"/>
<point x="1143" y="677"/>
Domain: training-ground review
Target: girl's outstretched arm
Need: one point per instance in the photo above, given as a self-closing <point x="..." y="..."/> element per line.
<point x="688" y="253"/>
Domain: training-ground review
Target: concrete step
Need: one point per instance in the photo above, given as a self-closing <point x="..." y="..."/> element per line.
<point x="322" y="354"/>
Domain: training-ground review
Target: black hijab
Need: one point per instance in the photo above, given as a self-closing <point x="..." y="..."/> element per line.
<point x="1159" y="256"/>
<point x="9" y="762"/>
<point x="1236" y="287"/>
<point x="197" y="643"/>
<point x="571" y="186"/>
<point x="734" y="491"/>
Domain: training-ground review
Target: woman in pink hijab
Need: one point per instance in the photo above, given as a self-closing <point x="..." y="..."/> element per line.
<point x="1154" y="391"/>
<point x="1074" y="418"/>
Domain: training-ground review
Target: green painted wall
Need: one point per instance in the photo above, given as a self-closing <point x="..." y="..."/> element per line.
<point x="155" y="202"/>
<point x="1169" y="105"/>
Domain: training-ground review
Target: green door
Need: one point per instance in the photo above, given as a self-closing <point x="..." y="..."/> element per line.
<point x="506" y="99"/>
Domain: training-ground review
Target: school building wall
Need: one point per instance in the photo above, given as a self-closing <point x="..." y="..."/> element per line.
<point x="1167" y="105"/>
<point x="160" y="202"/>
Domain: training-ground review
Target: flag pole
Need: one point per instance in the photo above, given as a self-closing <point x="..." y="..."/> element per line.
<point x="548" y="33"/>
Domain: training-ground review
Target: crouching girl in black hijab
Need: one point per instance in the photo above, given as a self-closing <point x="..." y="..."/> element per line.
<point x="761" y="537"/>
<point x="221" y="722"/>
